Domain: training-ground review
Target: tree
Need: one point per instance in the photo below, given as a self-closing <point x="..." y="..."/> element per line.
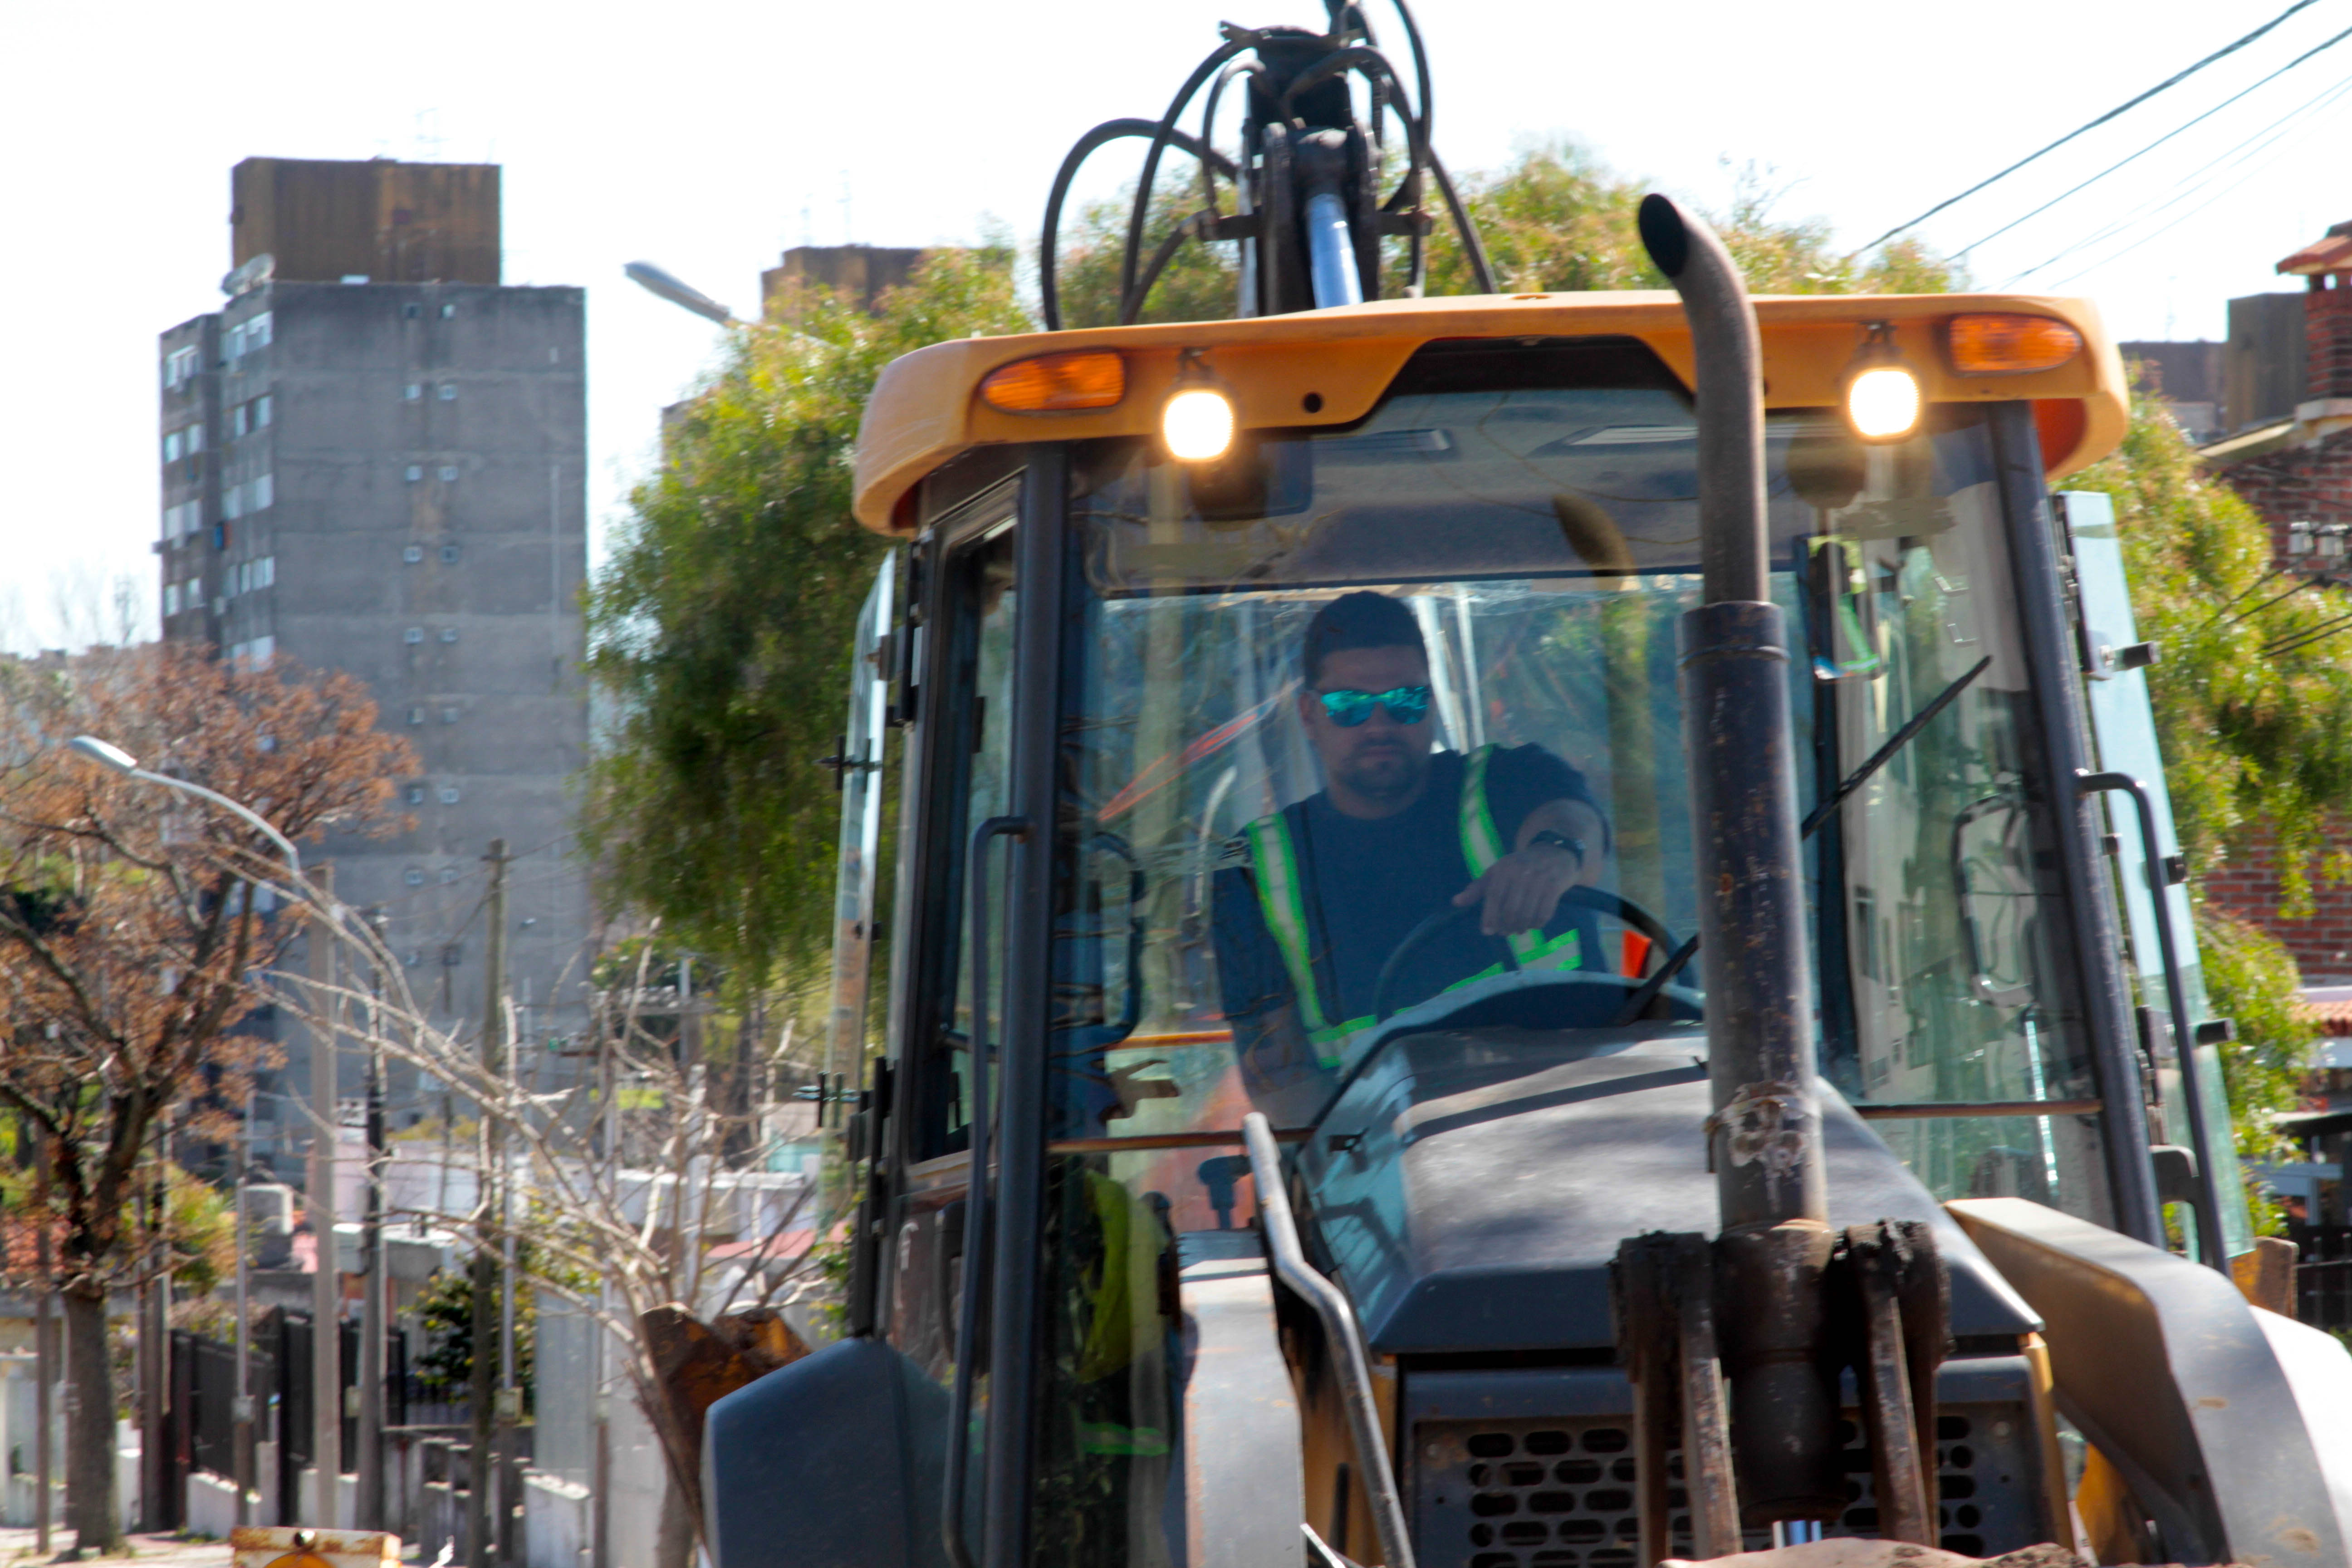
<point x="638" y="1196"/>
<point x="720" y="625"/>
<point x="2253" y="709"/>
<point x="136" y="934"/>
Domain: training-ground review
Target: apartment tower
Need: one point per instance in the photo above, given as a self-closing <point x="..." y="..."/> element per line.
<point x="374" y="460"/>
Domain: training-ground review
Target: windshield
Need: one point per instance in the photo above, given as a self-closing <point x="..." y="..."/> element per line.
<point x="1382" y="723"/>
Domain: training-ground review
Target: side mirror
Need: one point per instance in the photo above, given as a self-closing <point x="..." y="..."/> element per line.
<point x="835" y="1461"/>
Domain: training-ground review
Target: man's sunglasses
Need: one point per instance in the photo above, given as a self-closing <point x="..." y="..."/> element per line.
<point x="1406" y="705"/>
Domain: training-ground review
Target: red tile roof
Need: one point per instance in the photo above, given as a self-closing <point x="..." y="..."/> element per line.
<point x="2331" y="254"/>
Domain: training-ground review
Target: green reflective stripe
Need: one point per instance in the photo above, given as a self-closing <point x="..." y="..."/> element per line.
<point x="1482" y="846"/>
<point x="1275" y="862"/>
<point x="1536" y="950"/>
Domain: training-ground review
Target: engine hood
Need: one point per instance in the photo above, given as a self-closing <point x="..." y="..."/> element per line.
<point x="1469" y="1187"/>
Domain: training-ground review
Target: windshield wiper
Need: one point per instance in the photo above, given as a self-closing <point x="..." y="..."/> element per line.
<point x="1641" y="999"/>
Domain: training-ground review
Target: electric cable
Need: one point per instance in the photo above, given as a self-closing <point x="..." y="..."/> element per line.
<point x="2190" y="185"/>
<point x="2170" y="81"/>
<point x="2331" y="96"/>
<point x="2160" y="142"/>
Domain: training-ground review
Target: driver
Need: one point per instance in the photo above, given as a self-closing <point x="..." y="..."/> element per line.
<point x="1311" y="901"/>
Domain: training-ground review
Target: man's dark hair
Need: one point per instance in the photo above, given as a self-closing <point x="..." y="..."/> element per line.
<point x="1361" y="619"/>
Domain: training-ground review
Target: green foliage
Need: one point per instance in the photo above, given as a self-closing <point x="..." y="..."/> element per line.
<point x="2255" y="732"/>
<point x="445" y="1308"/>
<point x="1558" y="219"/>
<point x="721" y="626"/>
<point x="1200" y="283"/>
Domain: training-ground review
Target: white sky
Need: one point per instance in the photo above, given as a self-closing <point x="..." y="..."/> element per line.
<point x="707" y="135"/>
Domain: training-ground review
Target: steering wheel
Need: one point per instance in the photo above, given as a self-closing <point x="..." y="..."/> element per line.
<point x="1632" y="915"/>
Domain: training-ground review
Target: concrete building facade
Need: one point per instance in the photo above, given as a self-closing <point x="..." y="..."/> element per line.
<point x="388" y="478"/>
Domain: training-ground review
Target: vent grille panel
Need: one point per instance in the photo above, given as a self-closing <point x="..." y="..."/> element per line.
<point x="1560" y="1493"/>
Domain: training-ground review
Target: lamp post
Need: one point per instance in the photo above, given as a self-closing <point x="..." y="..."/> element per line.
<point x="326" y="1336"/>
<point x="685" y="296"/>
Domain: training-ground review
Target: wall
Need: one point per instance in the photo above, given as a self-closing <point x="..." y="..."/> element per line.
<point x="2247" y="886"/>
<point x="320" y="221"/>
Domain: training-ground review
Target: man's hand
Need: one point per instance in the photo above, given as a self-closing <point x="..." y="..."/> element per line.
<point x="1521" y="891"/>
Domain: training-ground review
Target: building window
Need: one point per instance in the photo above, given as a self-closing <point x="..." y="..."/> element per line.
<point x="448" y="555"/>
<point x="448" y="794"/>
<point x="448" y="392"/>
<point x="256" y="331"/>
<point x="448" y="474"/>
<point x="172" y="446"/>
<point x="261" y="411"/>
<point x="448" y="873"/>
<point x="236" y="418"/>
<point x="453" y="955"/>
<point x="179" y="365"/>
<point x="415" y="957"/>
<point x="412" y="554"/>
<point x="416" y="715"/>
<point x="234" y="342"/>
<point x="448" y="311"/>
<point x="264" y="650"/>
<point x="411" y="312"/>
<point x="415" y="472"/>
<point x="414" y="877"/>
<point x="417" y="794"/>
<point x="170" y="598"/>
<point x="413" y="635"/>
<point x="448" y="715"/>
<point x="448" y="633"/>
<point x="196" y="436"/>
<point x="265" y="572"/>
<point x="265" y="491"/>
<point x="415" y="390"/>
<point x="233" y="501"/>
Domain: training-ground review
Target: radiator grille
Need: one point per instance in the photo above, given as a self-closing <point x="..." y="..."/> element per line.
<point x="1560" y="1493"/>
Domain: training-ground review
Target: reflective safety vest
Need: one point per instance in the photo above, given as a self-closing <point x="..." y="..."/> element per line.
<point x="1279" y="873"/>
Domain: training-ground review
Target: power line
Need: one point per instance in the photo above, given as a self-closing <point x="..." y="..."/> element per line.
<point x="2277" y="130"/>
<point x="2173" y="80"/>
<point x="2160" y="142"/>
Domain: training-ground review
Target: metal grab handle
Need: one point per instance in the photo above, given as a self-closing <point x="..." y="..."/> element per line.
<point x="1355" y="1373"/>
<point x="2175" y="997"/>
<point x="975" y="1209"/>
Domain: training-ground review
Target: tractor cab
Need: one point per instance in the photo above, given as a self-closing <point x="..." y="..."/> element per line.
<point x="1509" y="947"/>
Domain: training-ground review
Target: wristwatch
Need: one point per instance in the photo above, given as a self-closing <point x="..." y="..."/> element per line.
<point x="1573" y="846"/>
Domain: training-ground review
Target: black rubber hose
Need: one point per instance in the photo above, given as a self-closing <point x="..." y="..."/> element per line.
<point x="1472" y="247"/>
<point x="1107" y="132"/>
<point x="1165" y="133"/>
<point x="1421" y="105"/>
<point x="1132" y="307"/>
<point x="1209" y="130"/>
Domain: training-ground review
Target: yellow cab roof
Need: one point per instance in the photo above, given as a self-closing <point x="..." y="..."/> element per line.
<point x="927" y="410"/>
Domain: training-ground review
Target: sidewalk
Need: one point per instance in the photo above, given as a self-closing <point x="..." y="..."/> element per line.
<point x="146" y="1551"/>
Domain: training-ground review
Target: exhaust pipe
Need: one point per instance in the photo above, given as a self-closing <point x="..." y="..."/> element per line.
<point x="1764" y="1137"/>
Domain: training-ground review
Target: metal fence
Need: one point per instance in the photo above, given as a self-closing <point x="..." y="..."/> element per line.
<point x="2323" y="1275"/>
<point x="201" y="1431"/>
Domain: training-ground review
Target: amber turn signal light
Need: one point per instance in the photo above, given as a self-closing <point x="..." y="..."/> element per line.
<point x="2008" y="345"/>
<point x="1057" y="384"/>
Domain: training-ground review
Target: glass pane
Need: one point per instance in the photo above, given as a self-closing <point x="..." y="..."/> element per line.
<point x="1332" y="703"/>
<point x="863" y="735"/>
<point x="970" y="781"/>
<point x="2124" y="725"/>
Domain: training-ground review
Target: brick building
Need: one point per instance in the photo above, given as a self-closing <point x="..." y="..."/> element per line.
<point x="2298" y="468"/>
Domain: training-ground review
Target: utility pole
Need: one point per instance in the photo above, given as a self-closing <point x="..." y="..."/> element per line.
<point x="240" y="1403"/>
<point x="370" y="1501"/>
<point x="155" y="1342"/>
<point x="45" y="1355"/>
<point x="481" y="1549"/>
<point x="327" y="1284"/>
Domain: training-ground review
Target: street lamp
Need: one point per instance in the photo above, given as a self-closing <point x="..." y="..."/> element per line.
<point x="326" y="1373"/>
<point x="107" y="755"/>
<point x="653" y="280"/>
